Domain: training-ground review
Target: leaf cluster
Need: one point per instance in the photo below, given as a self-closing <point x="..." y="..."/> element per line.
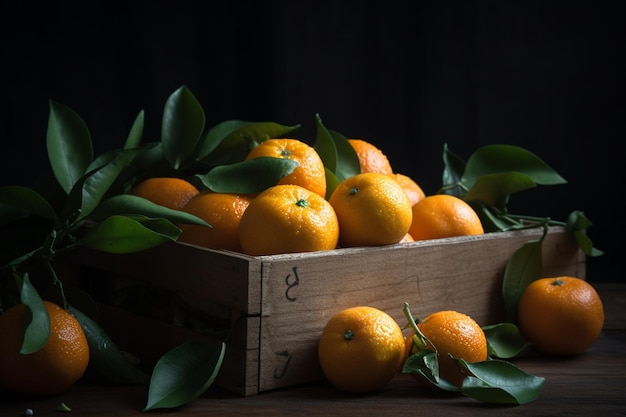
<point x="492" y="174"/>
<point x="494" y="381"/>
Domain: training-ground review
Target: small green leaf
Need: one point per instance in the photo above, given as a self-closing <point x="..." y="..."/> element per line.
<point x="184" y="373"/>
<point x="500" y="382"/>
<point x="36" y="320"/>
<point x="578" y="223"/>
<point x="123" y="234"/>
<point x="136" y="132"/>
<point x="331" y="182"/>
<point x="494" y="159"/>
<point x="338" y="155"/>
<point x="104" y="355"/>
<point x="453" y="167"/>
<point x="149" y="162"/>
<point x="226" y="139"/>
<point x="69" y="146"/>
<point x="182" y="125"/>
<point x="524" y="266"/>
<point x="348" y="163"/>
<point x="97" y="183"/>
<point x="325" y="146"/>
<point x="246" y="177"/>
<point x="127" y="204"/>
<point x="494" y="220"/>
<point x="232" y="140"/>
<point x="424" y="364"/>
<point x="25" y="200"/>
<point x="495" y="189"/>
<point x="505" y="341"/>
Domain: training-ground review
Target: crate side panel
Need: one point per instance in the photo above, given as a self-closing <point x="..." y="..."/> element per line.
<point x="214" y="281"/>
<point x="301" y="295"/>
<point x="148" y="340"/>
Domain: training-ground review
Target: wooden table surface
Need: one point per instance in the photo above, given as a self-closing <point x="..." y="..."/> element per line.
<point x="592" y="384"/>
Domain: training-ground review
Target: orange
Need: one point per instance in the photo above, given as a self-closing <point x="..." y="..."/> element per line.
<point x="456" y="334"/>
<point x="288" y="218"/>
<point x="310" y="172"/>
<point x="169" y="192"/>
<point x="442" y="215"/>
<point x="562" y="315"/>
<point x="223" y="212"/>
<point x="372" y="209"/>
<point x="361" y="349"/>
<point x="412" y="189"/>
<point x="52" y="369"/>
<point x="371" y="158"/>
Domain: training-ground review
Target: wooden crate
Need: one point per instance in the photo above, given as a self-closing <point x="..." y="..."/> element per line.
<point x="278" y="305"/>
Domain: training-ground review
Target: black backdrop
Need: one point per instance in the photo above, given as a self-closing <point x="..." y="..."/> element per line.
<point x="408" y="76"/>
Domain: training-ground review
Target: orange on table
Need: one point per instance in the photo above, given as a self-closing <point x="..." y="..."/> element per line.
<point x="412" y="188"/>
<point x="561" y="315"/>
<point x="441" y="215"/>
<point x="455" y="333"/>
<point x="223" y="211"/>
<point x="310" y="172"/>
<point x="372" y="209"/>
<point x="371" y="158"/>
<point x="288" y="218"/>
<point x="361" y="349"/>
<point x="55" y="367"/>
<point x="170" y="192"/>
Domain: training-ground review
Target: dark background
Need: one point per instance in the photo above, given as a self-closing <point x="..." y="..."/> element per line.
<point x="408" y="76"/>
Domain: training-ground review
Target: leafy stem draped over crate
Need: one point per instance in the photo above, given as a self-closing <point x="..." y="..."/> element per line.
<point x="87" y="205"/>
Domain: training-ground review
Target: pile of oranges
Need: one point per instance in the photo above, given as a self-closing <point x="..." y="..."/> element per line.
<point x="362" y="348"/>
<point x="300" y="214"/>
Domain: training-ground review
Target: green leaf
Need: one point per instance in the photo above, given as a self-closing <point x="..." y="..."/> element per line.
<point x="26" y="201"/>
<point x="424" y="364"/>
<point x="182" y="125"/>
<point x="331" y="182"/>
<point x="225" y="139"/>
<point x="123" y="234"/>
<point x="97" y="183"/>
<point x="69" y="146"/>
<point x="231" y="141"/>
<point x="104" y="355"/>
<point x="500" y="382"/>
<point x="453" y="167"/>
<point x="325" y="146"/>
<point x="184" y="373"/>
<point x="136" y="132"/>
<point x="246" y="177"/>
<point x="36" y="318"/>
<point x="524" y="267"/>
<point x="495" y="189"/>
<point x="127" y="204"/>
<point x="505" y="341"/>
<point x="577" y="223"/>
<point x="494" y="220"/>
<point x="348" y="163"/>
<point x="495" y="159"/>
<point x="149" y="162"/>
<point x="338" y="155"/>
